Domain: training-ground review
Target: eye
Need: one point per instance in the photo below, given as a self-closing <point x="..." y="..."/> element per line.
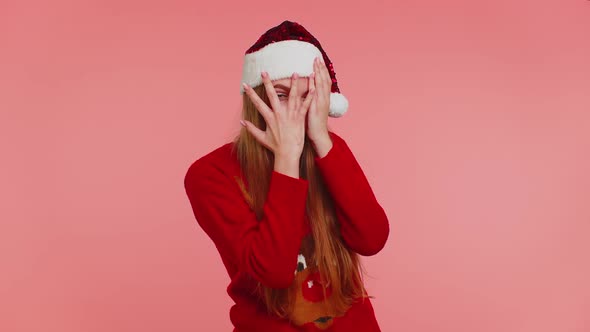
<point x="282" y="95"/>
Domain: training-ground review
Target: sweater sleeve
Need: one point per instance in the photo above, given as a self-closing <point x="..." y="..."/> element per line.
<point x="363" y="223"/>
<point x="266" y="249"/>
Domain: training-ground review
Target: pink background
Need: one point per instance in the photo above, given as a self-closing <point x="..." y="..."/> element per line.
<point x="470" y="118"/>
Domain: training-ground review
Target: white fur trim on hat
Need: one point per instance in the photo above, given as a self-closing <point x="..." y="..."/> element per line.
<point x="280" y="60"/>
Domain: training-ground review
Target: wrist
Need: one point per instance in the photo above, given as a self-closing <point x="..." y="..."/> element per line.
<point x="287" y="165"/>
<point x="322" y="145"/>
<point x="320" y="138"/>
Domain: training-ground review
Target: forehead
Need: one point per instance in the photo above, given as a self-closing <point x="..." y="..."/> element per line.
<point x="302" y="83"/>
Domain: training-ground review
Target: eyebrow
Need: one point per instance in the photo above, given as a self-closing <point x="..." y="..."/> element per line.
<point x="279" y="85"/>
<point x="282" y="86"/>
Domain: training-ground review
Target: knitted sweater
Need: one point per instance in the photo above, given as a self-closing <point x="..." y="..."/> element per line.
<point x="268" y="250"/>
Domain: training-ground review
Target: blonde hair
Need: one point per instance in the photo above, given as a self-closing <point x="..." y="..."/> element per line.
<point x="338" y="264"/>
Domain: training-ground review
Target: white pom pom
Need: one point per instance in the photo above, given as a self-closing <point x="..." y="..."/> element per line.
<point x="338" y="105"/>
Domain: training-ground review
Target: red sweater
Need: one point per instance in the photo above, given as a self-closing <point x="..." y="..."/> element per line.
<point x="268" y="250"/>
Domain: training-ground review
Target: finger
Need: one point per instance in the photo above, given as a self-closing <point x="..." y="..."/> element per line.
<point x="311" y="85"/>
<point x="270" y="90"/>
<point x="326" y="81"/>
<point x="309" y="98"/>
<point x="319" y="77"/>
<point x="258" y="102"/>
<point x="258" y="134"/>
<point x="325" y="74"/>
<point x="293" y="92"/>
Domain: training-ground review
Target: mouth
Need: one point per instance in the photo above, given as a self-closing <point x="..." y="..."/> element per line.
<point x="323" y="319"/>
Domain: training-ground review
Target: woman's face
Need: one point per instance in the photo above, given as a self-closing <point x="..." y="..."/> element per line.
<point x="283" y="88"/>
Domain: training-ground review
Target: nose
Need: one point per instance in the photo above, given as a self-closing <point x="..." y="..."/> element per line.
<point x="311" y="288"/>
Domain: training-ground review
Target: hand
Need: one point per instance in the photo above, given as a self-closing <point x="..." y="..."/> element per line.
<point x="285" y="126"/>
<point x="317" y="118"/>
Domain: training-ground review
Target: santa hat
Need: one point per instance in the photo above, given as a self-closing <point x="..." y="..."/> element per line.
<point x="286" y="49"/>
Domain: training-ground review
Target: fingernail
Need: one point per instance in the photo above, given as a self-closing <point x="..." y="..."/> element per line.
<point x="263" y="74"/>
<point x="245" y="85"/>
<point x="295" y="76"/>
<point x="243" y="123"/>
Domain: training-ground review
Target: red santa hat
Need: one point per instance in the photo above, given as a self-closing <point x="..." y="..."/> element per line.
<point x="286" y="49"/>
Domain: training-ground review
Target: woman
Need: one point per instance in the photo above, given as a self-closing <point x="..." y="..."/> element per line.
<point x="286" y="203"/>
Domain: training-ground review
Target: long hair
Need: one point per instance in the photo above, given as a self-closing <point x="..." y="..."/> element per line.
<point x="339" y="265"/>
